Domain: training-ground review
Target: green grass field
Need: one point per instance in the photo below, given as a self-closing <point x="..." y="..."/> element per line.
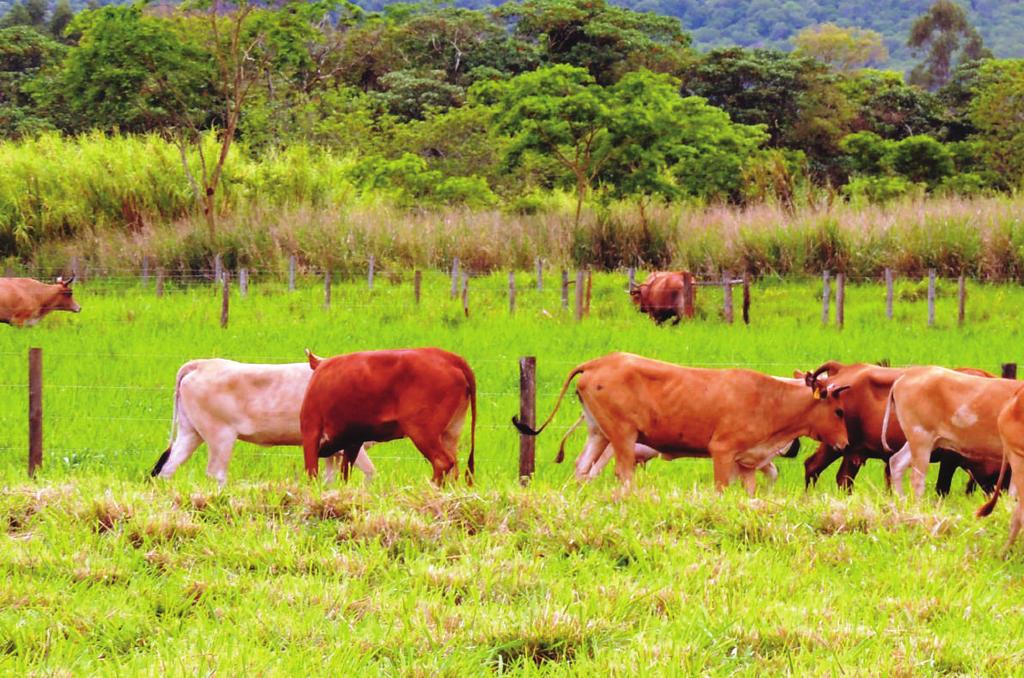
<point x="109" y="573"/>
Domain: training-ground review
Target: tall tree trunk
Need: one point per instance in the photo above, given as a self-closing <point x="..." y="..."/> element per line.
<point x="581" y="193"/>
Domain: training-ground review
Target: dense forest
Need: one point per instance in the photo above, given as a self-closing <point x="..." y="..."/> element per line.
<point x="423" y="106"/>
<point x="773" y="23"/>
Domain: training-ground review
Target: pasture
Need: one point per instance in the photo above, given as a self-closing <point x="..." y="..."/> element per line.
<point x="109" y="573"/>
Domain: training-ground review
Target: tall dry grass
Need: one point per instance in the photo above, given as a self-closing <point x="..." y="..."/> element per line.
<point x="982" y="238"/>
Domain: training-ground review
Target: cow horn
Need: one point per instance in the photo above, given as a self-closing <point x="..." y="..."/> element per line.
<point x="313" y="358"/>
<point x="837" y="391"/>
<point x="812" y="378"/>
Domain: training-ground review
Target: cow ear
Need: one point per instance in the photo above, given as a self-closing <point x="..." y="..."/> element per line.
<point x="313" y="358"/>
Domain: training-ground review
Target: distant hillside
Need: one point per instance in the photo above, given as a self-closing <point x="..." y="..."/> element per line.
<point x="770" y="23"/>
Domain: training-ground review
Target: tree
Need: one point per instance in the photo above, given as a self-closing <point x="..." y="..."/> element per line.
<point x="996" y="113"/>
<point x="559" y="111"/>
<point x="62" y="16"/>
<point x="950" y="39"/>
<point x="602" y="38"/>
<point x="921" y="159"/>
<point x="24" y="55"/>
<point x="845" y="49"/>
<point x="885" y="104"/>
<point x="409" y="95"/>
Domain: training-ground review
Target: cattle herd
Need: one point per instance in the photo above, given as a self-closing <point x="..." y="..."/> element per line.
<point x="635" y="409"/>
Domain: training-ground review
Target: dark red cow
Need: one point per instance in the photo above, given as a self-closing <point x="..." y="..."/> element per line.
<point x="663" y="295"/>
<point x="422" y="394"/>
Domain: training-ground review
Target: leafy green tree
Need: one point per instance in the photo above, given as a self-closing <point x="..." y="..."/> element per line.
<point x="61" y="18"/>
<point x="865" y="152"/>
<point x="921" y="159"/>
<point x="134" y="72"/>
<point x="949" y="38"/>
<point x="24" y="55"/>
<point x="409" y="95"/>
<point x="845" y="49"/>
<point x="604" y="39"/>
<point x="885" y="104"/>
<point x="17" y="15"/>
<point x="561" y="112"/>
<point x="997" y="112"/>
<point x="796" y="98"/>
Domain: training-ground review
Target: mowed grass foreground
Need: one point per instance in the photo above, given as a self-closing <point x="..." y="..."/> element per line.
<point x="106" y="572"/>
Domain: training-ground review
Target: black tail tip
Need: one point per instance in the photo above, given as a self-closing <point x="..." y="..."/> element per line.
<point x="523" y="428"/>
<point x="160" y="463"/>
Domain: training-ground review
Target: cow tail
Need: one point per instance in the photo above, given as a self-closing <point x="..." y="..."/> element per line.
<point x="987" y="508"/>
<point x="526" y="430"/>
<point x="470" y="463"/>
<point x="885" y="419"/>
<point x="183" y="371"/>
<point x="561" y="446"/>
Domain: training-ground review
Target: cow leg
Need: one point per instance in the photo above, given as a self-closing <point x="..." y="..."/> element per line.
<point x="1017" y="519"/>
<point x="623" y="443"/>
<point x="749" y="478"/>
<point x="898" y="464"/>
<point x="947" y="467"/>
<point x="725" y="468"/>
<point x="816" y="464"/>
<point x="364" y="464"/>
<point x="440" y="456"/>
<point x="219" y="448"/>
<point x="596" y="452"/>
<point x="848" y="471"/>
<point x="185" y="443"/>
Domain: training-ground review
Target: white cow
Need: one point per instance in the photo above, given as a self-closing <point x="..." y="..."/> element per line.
<point x="219" y="401"/>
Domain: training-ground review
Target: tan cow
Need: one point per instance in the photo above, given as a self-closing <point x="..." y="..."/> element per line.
<point x="941" y="408"/>
<point x="24" y="301"/>
<point x="220" y="401"/>
<point x="1011" y="432"/>
<point x="740" y="418"/>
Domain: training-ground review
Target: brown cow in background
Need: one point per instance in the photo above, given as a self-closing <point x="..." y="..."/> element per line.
<point x="422" y="394"/>
<point x="24" y="301"/>
<point x="663" y="295"/>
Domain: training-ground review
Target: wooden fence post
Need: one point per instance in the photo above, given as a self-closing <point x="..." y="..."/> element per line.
<point x="218" y="268"/>
<point x="586" y="303"/>
<point x="465" y="294"/>
<point x="417" y="282"/>
<point x="159" y="281"/>
<point x="455" y="277"/>
<point x="243" y="282"/>
<point x="840" y="299"/>
<point x="565" y="289"/>
<point x="539" y="263"/>
<point x="291" y="273"/>
<point x="35" y="410"/>
<point x="75" y="273"/>
<point x="931" y="297"/>
<point x="528" y="416"/>
<point x="826" y="295"/>
<point x="226" y="276"/>
<point x="632" y="278"/>
<point x="511" y="293"/>
<point x="727" y="297"/>
<point x="327" y="289"/>
<point x="689" y="297"/>
<point x="961" y="300"/>
<point x="1009" y="370"/>
<point x="579" y="295"/>
<point x="369" y="273"/>
<point x="746" y="297"/>
<point x="145" y="271"/>
<point x="888" y="293"/>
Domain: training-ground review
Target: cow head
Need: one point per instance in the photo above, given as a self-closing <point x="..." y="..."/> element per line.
<point x="63" y="299"/>
<point x="827" y="419"/>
